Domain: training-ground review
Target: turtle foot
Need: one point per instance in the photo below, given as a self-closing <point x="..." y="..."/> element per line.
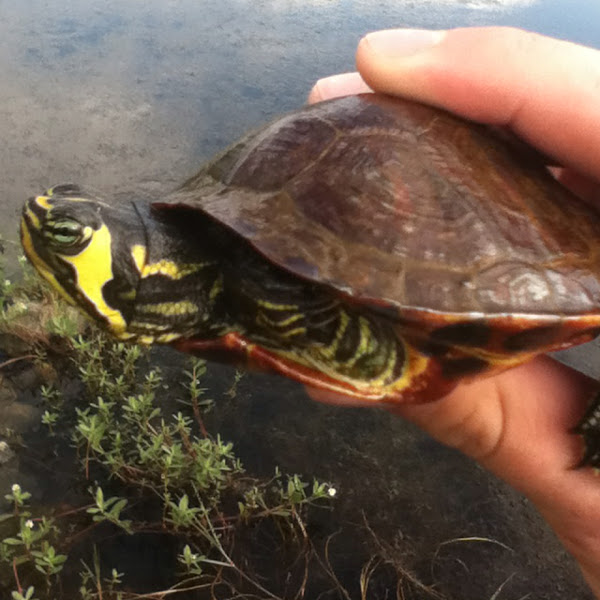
<point x="589" y="429"/>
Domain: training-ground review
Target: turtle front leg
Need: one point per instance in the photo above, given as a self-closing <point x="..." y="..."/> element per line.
<point x="589" y="429"/>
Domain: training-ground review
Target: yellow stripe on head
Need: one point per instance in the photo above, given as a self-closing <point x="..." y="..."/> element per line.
<point x="70" y="194"/>
<point x="33" y="218"/>
<point x="41" y="266"/>
<point x="93" y="267"/>
<point x="43" y="201"/>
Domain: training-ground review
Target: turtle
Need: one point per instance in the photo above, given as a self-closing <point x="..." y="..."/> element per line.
<point x="370" y="246"/>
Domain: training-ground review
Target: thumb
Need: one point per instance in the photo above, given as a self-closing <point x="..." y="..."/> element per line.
<point x="544" y="89"/>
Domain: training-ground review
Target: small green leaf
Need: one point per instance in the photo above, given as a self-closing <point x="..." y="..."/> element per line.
<point x="12" y="541"/>
<point x="100" y="498"/>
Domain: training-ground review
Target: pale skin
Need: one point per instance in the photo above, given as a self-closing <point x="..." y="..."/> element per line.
<point x="515" y="423"/>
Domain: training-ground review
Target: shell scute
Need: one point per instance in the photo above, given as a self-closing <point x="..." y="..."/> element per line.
<point x="266" y="161"/>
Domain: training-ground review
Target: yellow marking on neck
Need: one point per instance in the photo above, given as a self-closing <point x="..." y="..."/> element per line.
<point x="365" y="338"/>
<point x="376" y="389"/>
<point x="275" y="305"/>
<point x="364" y="343"/>
<point x="388" y="371"/>
<point x="291" y="319"/>
<point x="415" y="364"/>
<point x="150" y="327"/>
<point x="183" y="307"/>
<point x="329" y="351"/>
<point x="93" y="269"/>
<point x="155" y="333"/>
<point x="293" y="332"/>
<point x="139" y="254"/>
<point x="170" y="269"/>
<point x="321" y="359"/>
<point x="274" y="323"/>
<point x="216" y="289"/>
<point x="167" y="338"/>
<point x="268" y="321"/>
<point x="128" y="295"/>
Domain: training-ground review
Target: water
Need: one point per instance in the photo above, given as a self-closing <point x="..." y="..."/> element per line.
<point x="125" y="97"/>
<point x="129" y="97"/>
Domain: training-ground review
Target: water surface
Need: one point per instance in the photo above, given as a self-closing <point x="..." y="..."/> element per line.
<point x="125" y="96"/>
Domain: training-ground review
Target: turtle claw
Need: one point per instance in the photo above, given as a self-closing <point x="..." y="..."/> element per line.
<point x="589" y="429"/>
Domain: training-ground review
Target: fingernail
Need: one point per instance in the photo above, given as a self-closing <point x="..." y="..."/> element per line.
<point x="395" y="43"/>
<point x="341" y="84"/>
<point x="326" y="87"/>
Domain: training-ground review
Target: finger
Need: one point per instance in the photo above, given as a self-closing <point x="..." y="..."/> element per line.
<point x="344" y="84"/>
<point x="516" y="423"/>
<point x="335" y="86"/>
<point x="544" y="89"/>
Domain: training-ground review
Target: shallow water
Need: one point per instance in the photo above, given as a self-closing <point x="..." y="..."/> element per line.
<point x="122" y="97"/>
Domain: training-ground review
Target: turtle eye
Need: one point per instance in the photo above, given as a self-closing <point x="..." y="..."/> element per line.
<point x="66" y="233"/>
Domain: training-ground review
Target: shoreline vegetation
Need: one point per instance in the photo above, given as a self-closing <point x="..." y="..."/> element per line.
<point x="140" y="471"/>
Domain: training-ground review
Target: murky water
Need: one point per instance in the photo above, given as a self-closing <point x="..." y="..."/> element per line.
<point x="125" y="96"/>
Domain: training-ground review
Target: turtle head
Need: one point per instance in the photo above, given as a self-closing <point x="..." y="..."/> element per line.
<point x="83" y="248"/>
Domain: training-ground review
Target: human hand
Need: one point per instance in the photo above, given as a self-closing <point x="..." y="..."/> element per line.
<point x="516" y="423"/>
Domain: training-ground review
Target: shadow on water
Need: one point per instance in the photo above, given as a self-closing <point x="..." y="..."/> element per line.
<point x="130" y="100"/>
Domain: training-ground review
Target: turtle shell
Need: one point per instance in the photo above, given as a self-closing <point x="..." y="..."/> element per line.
<point x="409" y="209"/>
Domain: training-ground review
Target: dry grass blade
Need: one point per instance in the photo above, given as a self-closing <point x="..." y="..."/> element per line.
<point x="388" y="556"/>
